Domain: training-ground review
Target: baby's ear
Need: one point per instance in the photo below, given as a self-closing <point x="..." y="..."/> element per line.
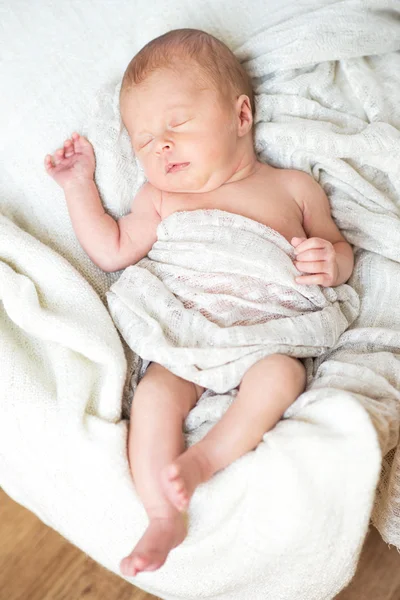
<point x="244" y="114"/>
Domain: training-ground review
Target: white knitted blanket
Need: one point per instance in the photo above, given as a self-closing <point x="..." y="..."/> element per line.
<point x="287" y="520"/>
<point x="217" y="293"/>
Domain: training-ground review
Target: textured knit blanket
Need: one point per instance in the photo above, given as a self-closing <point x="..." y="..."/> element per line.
<point x="217" y="293"/>
<point x="287" y="520"/>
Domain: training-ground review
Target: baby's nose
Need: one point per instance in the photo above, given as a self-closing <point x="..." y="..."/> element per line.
<point x="164" y="145"/>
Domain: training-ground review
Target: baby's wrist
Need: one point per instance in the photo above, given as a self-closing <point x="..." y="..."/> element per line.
<point x="77" y="183"/>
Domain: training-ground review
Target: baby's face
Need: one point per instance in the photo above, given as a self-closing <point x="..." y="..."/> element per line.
<point x="184" y="137"/>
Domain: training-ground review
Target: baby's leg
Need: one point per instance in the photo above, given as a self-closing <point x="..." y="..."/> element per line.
<point x="160" y="405"/>
<point x="268" y="388"/>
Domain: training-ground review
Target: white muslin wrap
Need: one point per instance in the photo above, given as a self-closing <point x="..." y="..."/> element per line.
<point x="217" y="293"/>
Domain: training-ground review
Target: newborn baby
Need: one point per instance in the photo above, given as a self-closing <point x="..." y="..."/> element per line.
<point x="188" y="107"/>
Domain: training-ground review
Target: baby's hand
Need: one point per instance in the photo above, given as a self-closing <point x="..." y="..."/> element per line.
<point x="317" y="256"/>
<point x="74" y="162"/>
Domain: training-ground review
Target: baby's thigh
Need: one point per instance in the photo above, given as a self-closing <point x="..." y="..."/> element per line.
<point x="159" y="385"/>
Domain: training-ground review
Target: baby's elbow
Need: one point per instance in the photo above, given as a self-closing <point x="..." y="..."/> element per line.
<point x="118" y="259"/>
<point x="111" y="263"/>
<point x="108" y="264"/>
<point x="110" y="267"/>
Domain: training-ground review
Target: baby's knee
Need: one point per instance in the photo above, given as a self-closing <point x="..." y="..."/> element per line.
<point x="291" y="370"/>
<point x="161" y="385"/>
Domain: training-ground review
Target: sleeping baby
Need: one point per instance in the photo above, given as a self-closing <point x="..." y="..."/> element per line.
<point x="233" y="271"/>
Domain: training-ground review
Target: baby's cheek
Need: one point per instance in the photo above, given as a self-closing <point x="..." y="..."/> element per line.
<point x="212" y="154"/>
<point x="153" y="175"/>
<point x="151" y="169"/>
<point x="220" y="147"/>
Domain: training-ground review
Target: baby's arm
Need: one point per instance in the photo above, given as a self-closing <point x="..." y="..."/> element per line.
<point x="330" y="263"/>
<point x="111" y="245"/>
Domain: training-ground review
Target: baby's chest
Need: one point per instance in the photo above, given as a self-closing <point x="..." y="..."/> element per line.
<point x="274" y="209"/>
<point x="278" y="211"/>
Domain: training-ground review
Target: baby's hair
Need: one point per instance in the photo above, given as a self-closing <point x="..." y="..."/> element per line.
<point x="216" y="61"/>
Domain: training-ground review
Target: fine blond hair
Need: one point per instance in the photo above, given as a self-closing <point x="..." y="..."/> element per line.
<point x="215" y="61"/>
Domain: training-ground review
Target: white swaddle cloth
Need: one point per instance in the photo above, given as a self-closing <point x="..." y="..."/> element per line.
<point x="217" y="293"/>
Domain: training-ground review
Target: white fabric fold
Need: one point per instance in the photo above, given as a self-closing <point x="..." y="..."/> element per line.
<point x="217" y="293"/>
<point x="287" y="520"/>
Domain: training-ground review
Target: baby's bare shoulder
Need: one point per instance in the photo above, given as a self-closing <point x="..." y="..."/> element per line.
<point x="289" y="178"/>
<point x="300" y="185"/>
<point x="296" y="180"/>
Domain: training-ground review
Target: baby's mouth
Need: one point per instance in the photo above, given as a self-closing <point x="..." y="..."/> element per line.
<point x="173" y="167"/>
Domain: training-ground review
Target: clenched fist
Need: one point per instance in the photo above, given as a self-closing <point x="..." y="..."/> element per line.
<point x="318" y="257"/>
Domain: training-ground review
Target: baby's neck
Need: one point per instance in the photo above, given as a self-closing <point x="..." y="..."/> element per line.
<point x="245" y="160"/>
<point x="247" y="166"/>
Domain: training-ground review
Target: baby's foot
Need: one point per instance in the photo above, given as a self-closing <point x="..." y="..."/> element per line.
<point x="180" y="478"/>
<point x="151" y="551"/>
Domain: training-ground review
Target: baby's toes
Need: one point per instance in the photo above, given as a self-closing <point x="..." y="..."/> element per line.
<point x="182" y="498"/>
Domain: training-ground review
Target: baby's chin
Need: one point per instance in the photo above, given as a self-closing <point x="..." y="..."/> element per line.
<point x="184" y="182"/>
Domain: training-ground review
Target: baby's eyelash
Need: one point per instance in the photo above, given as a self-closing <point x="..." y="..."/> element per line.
<point x="183" y="123"/>
<point x="173" y="127"/>
<point x="145" y="144"/>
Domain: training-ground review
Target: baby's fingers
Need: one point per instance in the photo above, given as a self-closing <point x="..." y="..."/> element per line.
<point x="58" y="156"/>
<point x="311" y="267"/>
<point x="316" y="254"/>
<point x="68" y="148"/>
<point x="316" y="279"/>
<point x="48" y="162"/>
<point x="81" y="144"/>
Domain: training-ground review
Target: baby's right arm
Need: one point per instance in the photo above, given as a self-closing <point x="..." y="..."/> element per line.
<point x="138" y="229"/>
<point x="111" y="245"/>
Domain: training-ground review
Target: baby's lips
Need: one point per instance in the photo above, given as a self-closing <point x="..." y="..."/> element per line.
<point x="170" y="165"/>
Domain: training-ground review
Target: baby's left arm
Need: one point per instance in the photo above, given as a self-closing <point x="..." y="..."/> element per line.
<point x="324" y="256"/>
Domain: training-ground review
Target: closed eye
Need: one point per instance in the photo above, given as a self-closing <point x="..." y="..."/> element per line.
<point x="145" y="144"/>
<point x="179" y="124"/>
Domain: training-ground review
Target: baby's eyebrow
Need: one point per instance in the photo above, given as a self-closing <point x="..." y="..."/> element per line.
<point x="174" y="106"/>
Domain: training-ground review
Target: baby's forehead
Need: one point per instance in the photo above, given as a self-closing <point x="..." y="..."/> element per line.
<point x="163" y="99"/>
<point x="161" y="106"/>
